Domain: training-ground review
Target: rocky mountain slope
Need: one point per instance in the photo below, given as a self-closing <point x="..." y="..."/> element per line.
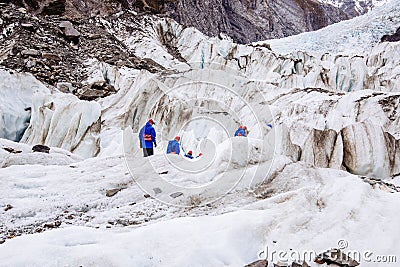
<point x="248" y="21"/>
<point x="244" y="21"/>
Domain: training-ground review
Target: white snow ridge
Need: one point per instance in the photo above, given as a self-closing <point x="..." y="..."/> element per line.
<point x="319" y="168"/>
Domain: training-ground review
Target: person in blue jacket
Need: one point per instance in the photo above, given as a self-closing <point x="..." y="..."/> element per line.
<point x="173" y="146"/>
<point x="241" y="131"/>
<point x="189" y="154"/>
<point x="147" y="136"/>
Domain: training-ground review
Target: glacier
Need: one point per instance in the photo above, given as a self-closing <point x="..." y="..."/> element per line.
<point x="323" y="120"/>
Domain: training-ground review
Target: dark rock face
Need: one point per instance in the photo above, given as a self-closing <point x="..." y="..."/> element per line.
<point x="395" y="37"/>
<point x="54" y="8"/>
<point x="243" y="20"/>
<point x="248" y="21"/>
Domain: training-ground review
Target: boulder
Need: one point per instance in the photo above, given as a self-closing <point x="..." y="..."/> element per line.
<point x="113" y="192"/>
<point x="31" y="53"/>
<point x="69" y="31"/>
<point x="41" y="148"/>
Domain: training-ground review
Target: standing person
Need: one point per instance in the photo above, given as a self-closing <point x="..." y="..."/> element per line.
<point x="189" y="154"/>
<point x="240" y="131"/>
<point x="147" y="136"/>
<point x="173" y="146"/>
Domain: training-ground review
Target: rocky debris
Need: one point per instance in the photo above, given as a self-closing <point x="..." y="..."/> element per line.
<point x="259" y="263"/>
<point x="12" y="150"/>
<point x="51" y="225"/>
<point x="50" y="54"/>
<point x="41" y="148"/>
<point x="69" y="31"/>
<point x="96" y="90"/>
<point x="146" y="196"/>
<point x="124" y="222"/>
<point x="395" y="37"/>
<point x="37" y="227"/>
<point x="2" y="241"/>
<point x="335" y="256"/>
<point x="8" y="207"/>
<point x="385" y="186"/>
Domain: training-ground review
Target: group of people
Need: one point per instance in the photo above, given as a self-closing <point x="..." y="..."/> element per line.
<point x="242" y="131"/>
<point x="147" y="140"/>
<point x="174" y="148"/>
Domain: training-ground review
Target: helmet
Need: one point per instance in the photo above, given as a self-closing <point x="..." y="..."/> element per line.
<point x="190" y="152"/>
<point x="151" y="121"/>
<point x="240" y="127"/>
<point x="177" y="138"/>
<point x="201" y="154"/>
<point x="244" y="127"/>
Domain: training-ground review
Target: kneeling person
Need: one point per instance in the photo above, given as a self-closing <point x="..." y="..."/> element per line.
<point x="173" y="146"/>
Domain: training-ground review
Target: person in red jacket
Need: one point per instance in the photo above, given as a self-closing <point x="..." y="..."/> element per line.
<point x="147" y="137"/>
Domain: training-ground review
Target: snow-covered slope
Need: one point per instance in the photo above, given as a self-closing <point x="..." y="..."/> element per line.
<point x="355" y="7"/>
<point x="315" y="207"/>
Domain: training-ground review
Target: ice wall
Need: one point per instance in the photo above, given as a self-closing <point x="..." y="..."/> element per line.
<point x="16" y="92"/>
